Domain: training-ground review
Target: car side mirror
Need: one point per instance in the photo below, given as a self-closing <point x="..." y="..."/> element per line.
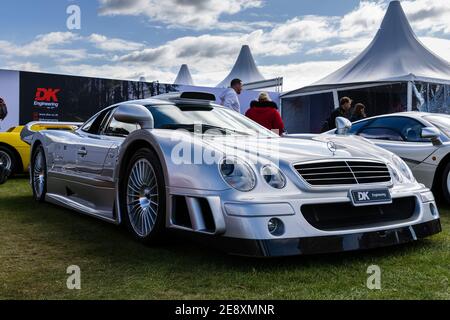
<point x="433" y="134"/>
<point x="135" y="114"/>
<point x="343" y="126"/>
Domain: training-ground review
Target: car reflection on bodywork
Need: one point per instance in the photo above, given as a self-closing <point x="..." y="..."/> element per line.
<point x="313" y="194"/>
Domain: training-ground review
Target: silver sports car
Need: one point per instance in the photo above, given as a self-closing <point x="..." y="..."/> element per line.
<point x="420" y="139"/>
<point x="182" y="163"/>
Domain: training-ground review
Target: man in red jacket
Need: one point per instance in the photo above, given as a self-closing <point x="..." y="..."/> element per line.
<point x="264" y="111"/>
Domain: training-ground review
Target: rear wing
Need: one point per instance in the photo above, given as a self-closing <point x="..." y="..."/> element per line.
<point x="31" y="128"/>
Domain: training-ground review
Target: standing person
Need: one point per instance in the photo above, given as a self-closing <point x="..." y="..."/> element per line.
<point x="343" y="111"/>
<point x="264" y="111"/>
<point x="229" y="99"/>
<point x="3" y="110"/>
<point x="359" y="113"/>
<point x="265" y="99"/>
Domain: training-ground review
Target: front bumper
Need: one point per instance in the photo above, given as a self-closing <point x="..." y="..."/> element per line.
<point x="329" y="244"/>
<point x="241" y="223"/>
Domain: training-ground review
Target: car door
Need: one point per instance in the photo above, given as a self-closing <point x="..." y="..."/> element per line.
<point x="66" y="149"/>
<point x="83" y="156"/>
<point x="92" y="150"/>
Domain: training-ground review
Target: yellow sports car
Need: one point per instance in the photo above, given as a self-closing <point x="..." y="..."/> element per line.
<point x="14" y="153"/>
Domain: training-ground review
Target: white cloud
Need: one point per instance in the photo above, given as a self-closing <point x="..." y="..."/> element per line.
<point x="308" y="28"/>
<point x="429" y="16"/>
<point x="210" y="52"/>
<point x="426" y="16"/>
<point x="210" y="56"/>
<point x="48" y="45"/>
<point x="438" y="46"/>
<point x="23" y="66"/>
<point x="113" y="44"/>
<point x="365" y="19"/>
<point x="302" y="74"/>
<point x="193" y="14"/>
<point x="344" y="49"/>
<point x="122" y="71"/>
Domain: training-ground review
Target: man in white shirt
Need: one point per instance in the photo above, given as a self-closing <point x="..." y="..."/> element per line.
<point x="229" y="99"/>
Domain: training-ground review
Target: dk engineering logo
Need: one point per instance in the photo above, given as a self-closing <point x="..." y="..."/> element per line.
<point x="47" y="98"/>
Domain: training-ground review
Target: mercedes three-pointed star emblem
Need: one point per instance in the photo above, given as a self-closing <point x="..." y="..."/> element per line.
<point x="332" y="147"/>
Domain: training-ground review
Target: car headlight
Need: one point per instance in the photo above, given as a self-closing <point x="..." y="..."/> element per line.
<point x="395" y="174"/>
<point x="403" y="168"/>
<point x="273" y="176"/>
<point x="238" y="174"/>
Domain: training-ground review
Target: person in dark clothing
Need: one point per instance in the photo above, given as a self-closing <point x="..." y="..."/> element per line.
<point x="265" y="113"/>
<point x="359" y="113"/>
<point x="343" y="111"/>
<point x="3" y="109"/>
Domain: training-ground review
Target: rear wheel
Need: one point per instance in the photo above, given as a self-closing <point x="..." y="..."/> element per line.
<point x="8" y="160"/>
<point x="39" y="174"/>
<point x="446" y="183"/>
<point x="143" y="200"/>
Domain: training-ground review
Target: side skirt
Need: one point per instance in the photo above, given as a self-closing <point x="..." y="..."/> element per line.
<point x="80" y="208"/>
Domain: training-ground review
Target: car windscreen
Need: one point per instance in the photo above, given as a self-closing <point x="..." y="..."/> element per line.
<point x="441" y="122"/>
<point x="209" y="118"/>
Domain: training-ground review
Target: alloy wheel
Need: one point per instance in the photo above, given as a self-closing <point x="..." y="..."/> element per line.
<point x="142" y="197"/>
<point x="5" y="160"/>
<point x="39" y="174"/>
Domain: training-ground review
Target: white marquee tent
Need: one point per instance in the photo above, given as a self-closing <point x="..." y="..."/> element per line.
<point x="395" y="73"/>
<point x="184" y="76"/>
<point x="245" y="69"/>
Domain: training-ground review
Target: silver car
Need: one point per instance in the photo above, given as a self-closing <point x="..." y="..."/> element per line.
<point x="183" y="164"/>
<point x="420" y="139"/>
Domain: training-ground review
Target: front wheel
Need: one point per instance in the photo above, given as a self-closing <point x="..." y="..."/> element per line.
<point x="39" y="174"/>
<point x="142" y="197"/>
<point x="446" y="184"/>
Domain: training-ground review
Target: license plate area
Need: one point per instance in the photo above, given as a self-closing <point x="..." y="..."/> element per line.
<point x="370" y="197"/>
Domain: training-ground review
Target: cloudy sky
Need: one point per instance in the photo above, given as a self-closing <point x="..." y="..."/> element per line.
<point x="301" y="40"/>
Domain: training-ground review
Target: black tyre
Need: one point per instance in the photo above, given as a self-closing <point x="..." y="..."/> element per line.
<point x="9" y="160"/>
<point x="446" y="184"/>
<point x="39" y="174"/>
<point x="143" y="197"/>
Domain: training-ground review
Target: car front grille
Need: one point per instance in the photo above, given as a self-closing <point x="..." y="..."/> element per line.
<point x="333" y="173"/>
<point x="341" y="216"/>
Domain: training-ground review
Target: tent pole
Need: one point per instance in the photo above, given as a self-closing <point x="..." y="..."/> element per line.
<point x="336" y="99"/>
<point x="410" y="93"/>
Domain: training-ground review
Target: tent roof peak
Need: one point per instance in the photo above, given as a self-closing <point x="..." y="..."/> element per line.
<point x="395" y="54"/>
<point x="245" y="69"/>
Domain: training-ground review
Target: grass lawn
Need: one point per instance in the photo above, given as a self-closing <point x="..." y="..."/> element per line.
<point x="39" y="242"/>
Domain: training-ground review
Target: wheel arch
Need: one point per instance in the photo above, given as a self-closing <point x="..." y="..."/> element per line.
<point x="36" y="144"/>
<point x="16" y="156"/>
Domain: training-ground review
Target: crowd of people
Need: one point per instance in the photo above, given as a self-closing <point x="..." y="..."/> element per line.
<point x="263" y="111"/>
